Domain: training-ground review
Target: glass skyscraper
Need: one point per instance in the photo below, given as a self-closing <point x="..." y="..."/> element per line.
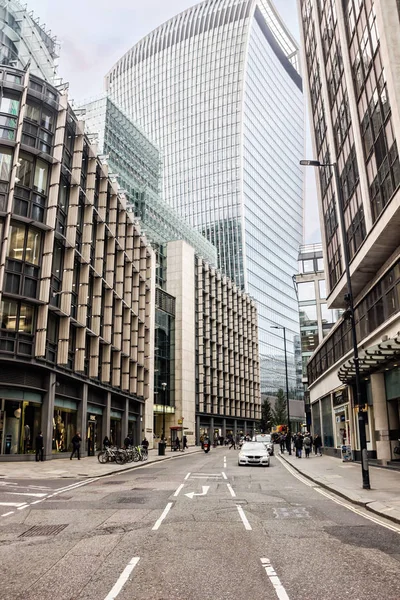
<point x="218" y="89"/>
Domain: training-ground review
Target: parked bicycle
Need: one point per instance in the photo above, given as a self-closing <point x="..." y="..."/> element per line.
<point x="123" y="455"/>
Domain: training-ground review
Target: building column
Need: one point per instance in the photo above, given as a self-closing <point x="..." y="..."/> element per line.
<point x="48" y="415"/>
<point x="82" y="419"/>
<point x="245" y="428"/>
<point x="107" y="417"/>
<point x="224" y="428"/>
<point x="381" y="422"/>
<point x="197" y="432"/>
<point x="211" y="433"/>
<point x="235" y="429"/>
<point x="125" y="421"/>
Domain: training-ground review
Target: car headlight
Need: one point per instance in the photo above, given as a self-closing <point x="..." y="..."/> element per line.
<point x="241" y="455"/>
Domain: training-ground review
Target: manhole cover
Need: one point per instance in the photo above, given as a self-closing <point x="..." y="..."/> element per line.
<point x="41" y="530"/>
<point x="131" y="500"/>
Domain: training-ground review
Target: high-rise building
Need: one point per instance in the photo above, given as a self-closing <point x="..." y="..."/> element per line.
<point x="25" y="42"/>
<point x="352" y="59"/>
<point x="218" y="89"/>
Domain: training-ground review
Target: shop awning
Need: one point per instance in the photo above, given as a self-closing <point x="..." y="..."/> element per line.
<point x="371" y="359"/>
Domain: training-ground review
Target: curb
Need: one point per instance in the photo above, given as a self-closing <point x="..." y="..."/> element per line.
<point x="365" y="505"/>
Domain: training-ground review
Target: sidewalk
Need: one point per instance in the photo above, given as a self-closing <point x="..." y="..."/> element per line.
<point x="86" y="467"/>
<point x="345" y="480"/>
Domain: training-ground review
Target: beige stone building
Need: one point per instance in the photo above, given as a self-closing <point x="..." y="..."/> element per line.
<point x="352" y="67"/>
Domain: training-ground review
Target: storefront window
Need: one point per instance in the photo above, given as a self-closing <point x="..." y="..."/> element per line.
<point x="64" y="428"/>
<point x="19" y="425"/>
<point x="327" y="425"/>
<point x="115" y="431"/>
<point x="342" y="426"/>
<point x="94" y="433"/>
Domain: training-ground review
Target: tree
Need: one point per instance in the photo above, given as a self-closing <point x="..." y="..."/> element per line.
<point x="266" y="416"/>
<point x="279" y="415"/>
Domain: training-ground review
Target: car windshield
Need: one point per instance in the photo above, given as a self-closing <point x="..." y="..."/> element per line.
<point x="265" y="437"/>
<point x="253" y="447"/>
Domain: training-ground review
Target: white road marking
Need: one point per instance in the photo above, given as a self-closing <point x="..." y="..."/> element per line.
<point x="358" y="511"/>
<point x="187" y="476"/>
<point x="203" y="493"/>
<point x="9" y="513"/>
<point x="12" y="503"/>
<point x="246" y="524"/>
<point x="26" y="494"/>
<point x="22" y="507"/>
<point x="274" y="579"/>
<point x="224" y="475"/>
<point x="161" y="519"/>
<point x="123" y="578"/>
<point x="233" y="494"/>
<point x="294" y="473"/>
<point x="37" y="501"/>
<point x="179" y="489"/>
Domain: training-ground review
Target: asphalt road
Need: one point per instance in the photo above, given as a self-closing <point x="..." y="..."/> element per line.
<point x="247" y="532"/>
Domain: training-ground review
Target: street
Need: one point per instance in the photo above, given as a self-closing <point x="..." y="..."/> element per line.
<point x="193" y="528"/>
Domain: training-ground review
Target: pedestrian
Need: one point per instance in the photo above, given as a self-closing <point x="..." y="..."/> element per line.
<point x="299" y="445"/>
<point x="106" y="443"/>
<point x="289" y="442"/>
<point x="177" y="443"/>
<point x="127" y="442"/>
<point x="307" y="445"/>
<point x="76" y="446"/>
<point x="39" y="443"/>
<point x="202" y="441"/>
<point x="184" y="442"/>
<point x="282" y="443"/>
<point x="318" y="445"/>
<point x="232" y="443"/>
<point x="145" y="443"/>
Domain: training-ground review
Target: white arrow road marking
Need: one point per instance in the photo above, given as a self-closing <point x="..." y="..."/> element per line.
<point x="25" y="494"/>
<point x="203" y="493"/>
<point x="161" y="519"/>
<point x="274" y="579"/>
<point x="123" y="578"/>
<point x="243" y="517"/>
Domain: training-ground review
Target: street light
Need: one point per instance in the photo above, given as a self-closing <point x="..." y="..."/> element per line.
<point x="164" y="387"/>
<point x="350" y="312"/>
<point x="289" y="446"/>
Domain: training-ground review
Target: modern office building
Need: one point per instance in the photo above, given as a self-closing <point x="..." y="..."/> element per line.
<point x="77" y="284"/>
<point x="25" y="42"/>
<point x="218" y="89"/>
<point x="352" y="60"/>
<point x="136" y="162"/>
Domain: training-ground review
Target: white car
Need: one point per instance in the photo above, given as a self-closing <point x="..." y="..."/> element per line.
<point x="253" y="453"/>
<point x="266" y="439"/>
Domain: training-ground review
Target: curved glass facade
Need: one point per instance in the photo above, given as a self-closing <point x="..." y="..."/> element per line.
<point x="217" y="89"/>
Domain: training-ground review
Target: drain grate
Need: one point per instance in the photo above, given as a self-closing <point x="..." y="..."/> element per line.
<point x="43" y="530"/>
<point x="131" y="500"/>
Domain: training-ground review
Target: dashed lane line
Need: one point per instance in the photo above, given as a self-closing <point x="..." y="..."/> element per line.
<point x="123" y="578"/>
<point x="233" y="493"/>
<point x="161" y="519"/>
<point x="187" y="476"/>
<point x="274" y="579"/>
<point x="224" y="475"/>
<point x="179" y="489"/>
<point x="246" y="524"/>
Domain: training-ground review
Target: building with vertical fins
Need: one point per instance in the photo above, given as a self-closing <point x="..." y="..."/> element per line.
<point x="352" y="62"/>
<point x="218" y="89"/>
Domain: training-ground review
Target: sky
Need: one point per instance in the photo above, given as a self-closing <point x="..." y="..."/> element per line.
<point x="94" y="34"/>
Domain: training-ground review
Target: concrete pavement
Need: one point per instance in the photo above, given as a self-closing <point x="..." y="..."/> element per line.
<point x="79" y="469"/>
<point x="344" y="479"/>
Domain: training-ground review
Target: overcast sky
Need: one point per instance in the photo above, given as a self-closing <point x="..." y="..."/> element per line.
<point x="94" y="34"/>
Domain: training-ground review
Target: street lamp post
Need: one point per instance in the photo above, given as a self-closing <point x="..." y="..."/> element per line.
<point x="164" y="387"/>
<point x="287" y="386"/>
<point x="350" y="312"/>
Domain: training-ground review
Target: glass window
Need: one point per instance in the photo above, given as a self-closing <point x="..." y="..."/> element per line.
<point x="16" y="242"/>
<point x="306" y="291"/>
<point x="327" y="316"/>
<point x="308" y="316"/>
<point x="322" y="288"/>
<point x="20" y="426"/>
<point x="8" y="315"/>
<point x="26" y="318"/>
<point x="9" y="105"/>
<point x="25" y="169"/>
<point x="32" y="112"/>
<point x="5" y="163"/>
<point x="309" y="340"/>
<point x="41" y="173"/>
<point x="308" y="266"/>
<point x="327" y="425"/>
<point x="33" y="244"/>
<point x="320" y="264"/>
<point x="47" y="119"/>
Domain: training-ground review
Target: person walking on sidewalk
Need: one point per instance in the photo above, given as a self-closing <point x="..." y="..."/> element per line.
<point x="318" y="445"/>
<point x="282" y="442"/>
<point x="307" y="445"/>
<point x="299" y="445"/>
<point x="76" y="446"/>
<point x="39" y="442"/>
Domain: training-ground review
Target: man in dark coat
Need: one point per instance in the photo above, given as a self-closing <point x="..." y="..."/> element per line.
<point x="39" y="442"/>
<point x="299" y="445"/>
<point x="76" y="446"/>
